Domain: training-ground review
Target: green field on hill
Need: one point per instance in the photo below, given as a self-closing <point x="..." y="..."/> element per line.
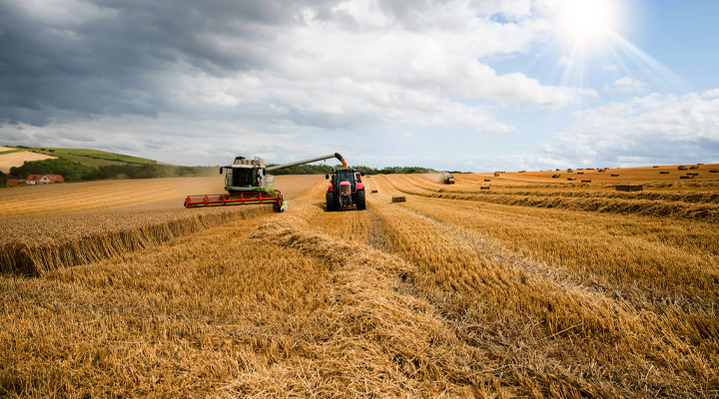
<point x="92" y="157"/>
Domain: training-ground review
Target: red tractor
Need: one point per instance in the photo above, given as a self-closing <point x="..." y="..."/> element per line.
<point x="346" y="189"/>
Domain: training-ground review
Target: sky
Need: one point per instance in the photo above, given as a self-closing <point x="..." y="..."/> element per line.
<point x="469" y="85"/>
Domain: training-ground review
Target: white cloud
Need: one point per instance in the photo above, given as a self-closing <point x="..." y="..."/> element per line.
<point x="566" y="61"/>
<point x="278" y="78"/>
<point x="646" y="130"/>
<point x="625" y="85"/>
<point x="611" y="68"/>
<point x="328" y="74"/>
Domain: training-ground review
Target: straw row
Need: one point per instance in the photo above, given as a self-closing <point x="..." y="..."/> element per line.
<point x="601" y="202"/>
<point x="34" y="246"/>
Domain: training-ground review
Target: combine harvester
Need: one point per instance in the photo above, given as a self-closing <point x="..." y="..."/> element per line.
<point x="248" y="181"/>
<point x="447" y="178"/>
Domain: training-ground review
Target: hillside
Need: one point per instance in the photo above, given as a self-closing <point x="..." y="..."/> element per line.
<point x="16" y="156"/>
<point x="92" y="157"/>
<point x="10" y="156"/>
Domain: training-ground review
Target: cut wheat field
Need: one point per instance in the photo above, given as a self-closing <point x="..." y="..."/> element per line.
<point x="532" y="288"/>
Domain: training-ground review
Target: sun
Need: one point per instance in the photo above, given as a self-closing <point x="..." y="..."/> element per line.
<point x="585" y="20"/>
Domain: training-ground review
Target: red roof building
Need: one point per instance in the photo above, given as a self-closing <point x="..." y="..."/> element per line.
<point x="43" y="179"/>
<point x="15" y="182"/>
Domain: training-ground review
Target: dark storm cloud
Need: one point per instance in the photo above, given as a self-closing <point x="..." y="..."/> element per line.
<point x="54" y="68"/>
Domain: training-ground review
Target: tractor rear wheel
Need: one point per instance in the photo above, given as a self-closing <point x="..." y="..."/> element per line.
<point x="361" y="204"/>
<point x="331" y="200"/>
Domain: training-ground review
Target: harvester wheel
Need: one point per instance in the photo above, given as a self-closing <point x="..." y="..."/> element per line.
<point x="281" y="207"/>
<point x="332" y="203"/>
<point x="361" y="204"/>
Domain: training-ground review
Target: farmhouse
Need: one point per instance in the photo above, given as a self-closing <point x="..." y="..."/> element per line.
<point x="43" y="179"/>
<point x="15" y="182"/>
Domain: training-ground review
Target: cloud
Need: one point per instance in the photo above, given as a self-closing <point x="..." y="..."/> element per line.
<point x="566" y="61"/>
<point x="328" y="63"/>
<point x="611" y="68"/>
<point x="643" y="131"/>
<point x="625" y="85"/>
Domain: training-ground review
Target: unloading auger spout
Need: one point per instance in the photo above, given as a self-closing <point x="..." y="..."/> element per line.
<point x="306" y="161"/>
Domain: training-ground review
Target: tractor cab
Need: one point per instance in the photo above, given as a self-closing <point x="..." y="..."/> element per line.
<point x="345" y="175"/>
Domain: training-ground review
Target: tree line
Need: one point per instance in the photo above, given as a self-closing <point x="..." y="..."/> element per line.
<point x="75" y="172"/>
<point x="326" y="169"/>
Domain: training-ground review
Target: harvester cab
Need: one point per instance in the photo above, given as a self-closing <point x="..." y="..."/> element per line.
<point x="246" y="175"/>
<point x="248" y="181"/>
<point x="345" y="190"/>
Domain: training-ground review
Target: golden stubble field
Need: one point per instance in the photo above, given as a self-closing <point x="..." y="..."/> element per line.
<point x="532" y="288"/>
<point x="7" y="161"/>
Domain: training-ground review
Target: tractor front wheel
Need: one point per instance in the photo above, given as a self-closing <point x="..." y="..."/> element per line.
<point x="331" y="200"/>
<point x="361" y="204"/>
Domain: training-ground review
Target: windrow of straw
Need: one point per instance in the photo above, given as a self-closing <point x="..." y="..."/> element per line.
<point x="692" y="196"/>
<point x="34" y="246"/>
<point x="600" y="202"/>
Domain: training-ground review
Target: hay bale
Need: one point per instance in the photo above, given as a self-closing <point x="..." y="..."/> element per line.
<point x="694" y="167"/>
<point x="664" y="173"/>
<point x="399" y="199"/>
<point x="615" y="174"/>
<point x="580" y="173"/>
<point x="601" y="170"/>
<point x="686" y="177"/>
<point x="522" y="171"/>
<point x="692" y="174"/>
<point x="714" y="171"/>
<point x="571" y="178"/>
<point x="487" y="179"/>
<point x="484" y="187"/>
<point x="682" y="167"/>
<point x="655" y="166"/>
<point x="630" y="187"/>
<point x="586" y="181"/>
<point x="570" y="171"/>
<point x="555" y="176"/>
<point x="496" y="174"/>
<point x="373" y="192"/>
